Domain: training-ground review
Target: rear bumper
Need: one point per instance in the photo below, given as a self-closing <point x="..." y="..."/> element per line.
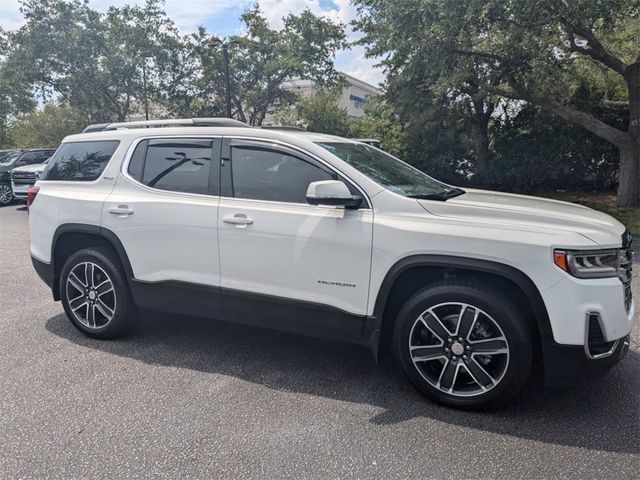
<point x="44" y="271"/>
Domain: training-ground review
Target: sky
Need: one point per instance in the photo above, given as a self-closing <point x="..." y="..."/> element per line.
<point x="222" y="17"/>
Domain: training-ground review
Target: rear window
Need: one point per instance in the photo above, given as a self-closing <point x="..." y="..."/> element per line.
<point x="80" y="161"/>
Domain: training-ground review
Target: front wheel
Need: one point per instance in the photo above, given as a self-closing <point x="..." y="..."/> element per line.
<point x="463" y="345"/>
<point x="95" y="295"/>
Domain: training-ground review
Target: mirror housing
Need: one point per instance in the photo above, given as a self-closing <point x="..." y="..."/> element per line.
<point x="332" y="193"/>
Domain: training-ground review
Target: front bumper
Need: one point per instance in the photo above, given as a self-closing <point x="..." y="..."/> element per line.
<point x="20" y="190"/>
<point x="568" y="365"/>
<point x="570" y="301"/>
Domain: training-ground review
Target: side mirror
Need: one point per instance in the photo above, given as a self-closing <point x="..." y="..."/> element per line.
<point x="333" y="193"/>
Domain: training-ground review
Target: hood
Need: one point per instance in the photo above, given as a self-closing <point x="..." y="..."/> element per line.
<point x="501" y="208"/>
<point x="37" y="168"/>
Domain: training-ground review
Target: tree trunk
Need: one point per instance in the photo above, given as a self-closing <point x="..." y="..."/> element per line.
<point x="629" y="177"/>
<point x="481" y="142"/>
<point x="629" y="184"/>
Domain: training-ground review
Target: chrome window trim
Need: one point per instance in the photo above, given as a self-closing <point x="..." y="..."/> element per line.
<point x="129" y="153"/>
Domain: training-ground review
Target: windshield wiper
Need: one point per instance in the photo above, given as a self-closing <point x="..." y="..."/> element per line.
<point x="441" y="196"/>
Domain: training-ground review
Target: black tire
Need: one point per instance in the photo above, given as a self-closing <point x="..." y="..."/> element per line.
<point x="511" y="369"/>
<point x="6" y="194"/>
<point x="124" y="309"/>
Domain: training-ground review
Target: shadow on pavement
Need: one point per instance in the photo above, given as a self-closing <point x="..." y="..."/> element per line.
<point x="602" y="415"/>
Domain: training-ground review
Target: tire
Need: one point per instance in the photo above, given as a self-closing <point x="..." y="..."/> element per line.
<point x="109" y="311"/>
<point x="6" y="194"/>
<point x="483" y="369"/>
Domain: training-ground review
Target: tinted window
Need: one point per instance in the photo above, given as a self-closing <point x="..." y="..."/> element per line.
<point x="44" y="155"/>
<point x="29" y="158"/>
<point x="80" y="161"/>
<point x="180" y="164"/>
<point x="137" y="160"/>
<point x="8" y="156"/>
<point x="262" y="174"/>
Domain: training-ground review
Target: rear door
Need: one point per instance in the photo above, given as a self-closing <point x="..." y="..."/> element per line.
<point x="164" y="212"/>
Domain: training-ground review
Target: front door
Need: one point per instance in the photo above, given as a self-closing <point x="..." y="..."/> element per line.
<point x="276" y="250"/>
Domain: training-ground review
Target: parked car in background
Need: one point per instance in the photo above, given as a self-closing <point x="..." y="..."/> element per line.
<point x="23" y="178"/>
<point x="10" y="159"/>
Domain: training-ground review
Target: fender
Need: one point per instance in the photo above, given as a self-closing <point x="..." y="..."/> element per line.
<point x="95" y="230"/>
<point x="512" y="274"/>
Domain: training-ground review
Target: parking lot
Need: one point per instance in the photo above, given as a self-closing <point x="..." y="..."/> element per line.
<point x="193" y="398"/>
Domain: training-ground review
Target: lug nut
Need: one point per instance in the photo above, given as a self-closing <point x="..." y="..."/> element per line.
<point x="464" y="356"/>
<point x="461" y="339"/>
<point x="468" y="347"/>
<point x="454" y="358"/>
<point x="446" y="349"/>
<point x="450" y="340"/>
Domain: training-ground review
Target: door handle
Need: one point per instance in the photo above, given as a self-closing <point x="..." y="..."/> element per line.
<point x="121" y="210"/>
<point x="240" y="220"/>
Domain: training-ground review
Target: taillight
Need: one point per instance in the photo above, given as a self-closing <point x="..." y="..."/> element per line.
<point x="31" y="195"/>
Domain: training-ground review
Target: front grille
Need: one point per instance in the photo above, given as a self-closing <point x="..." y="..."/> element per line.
<point x="626" y="269"/>
<point x="23" y="178"/>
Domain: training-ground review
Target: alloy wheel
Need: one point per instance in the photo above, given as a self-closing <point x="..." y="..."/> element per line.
<point x="6" y="194"/>
<point x="91" y="295"/>
<point x="459" y="349"/>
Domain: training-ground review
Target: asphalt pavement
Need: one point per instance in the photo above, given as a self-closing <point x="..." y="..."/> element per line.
<point x="192" y="398"/>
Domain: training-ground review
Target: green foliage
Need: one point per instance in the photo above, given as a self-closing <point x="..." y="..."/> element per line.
<point x="462" y="54"/>
<point x="318" y="112"/>
<point x="382" y="123"/>
<point x="47" y="126"/>
<point x="90" y="59"/>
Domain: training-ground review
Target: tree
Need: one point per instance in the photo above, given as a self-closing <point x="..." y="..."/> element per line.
<point x="382" y="123"/>
<point x="47" y="126"/>
<point x="529" y="51"/>
<point x="89" y="59"/>
<point x="318" y="112"/>
<point x="262" y="62"/>
<point x="14" y="98"/>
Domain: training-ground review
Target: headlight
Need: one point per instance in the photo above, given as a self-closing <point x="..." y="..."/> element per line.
<point x="589" y="263"/>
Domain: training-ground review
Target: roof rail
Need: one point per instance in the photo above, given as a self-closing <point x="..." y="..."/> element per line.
<point x="186" y="122"/>
<point x="282" y="127"/>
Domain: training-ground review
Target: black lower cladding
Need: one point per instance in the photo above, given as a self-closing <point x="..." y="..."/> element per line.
<point x="567" y="365"/>
<point x="44" y="270"/>
<point x="265" y="311"/>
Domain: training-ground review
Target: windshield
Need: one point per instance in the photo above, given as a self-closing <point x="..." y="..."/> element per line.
<point x="391" y="173"/>
<point x="8" y="156"/>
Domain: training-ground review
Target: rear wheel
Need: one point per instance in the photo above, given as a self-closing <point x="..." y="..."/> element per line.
<point x="6" y="194"/>
<point x="95" y="295"/>
<point x="463" y="345"/>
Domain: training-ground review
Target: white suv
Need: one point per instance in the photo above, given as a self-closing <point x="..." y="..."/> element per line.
<point x="329" y="237"/>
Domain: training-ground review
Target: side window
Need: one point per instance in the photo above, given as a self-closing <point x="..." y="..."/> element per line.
<point x="80" y="161"/>
<point x="28" y="158"/>
<point x="176" y="164"/>
<point x="263" y="174"/>
<point x="44" y="156"/>
<point x="136" y="164"/>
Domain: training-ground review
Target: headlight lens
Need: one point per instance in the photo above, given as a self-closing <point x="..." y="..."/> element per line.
<point x="589" y="263"/>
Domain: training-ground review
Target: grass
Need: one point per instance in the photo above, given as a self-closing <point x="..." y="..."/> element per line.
<point x="605" y="202"/>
